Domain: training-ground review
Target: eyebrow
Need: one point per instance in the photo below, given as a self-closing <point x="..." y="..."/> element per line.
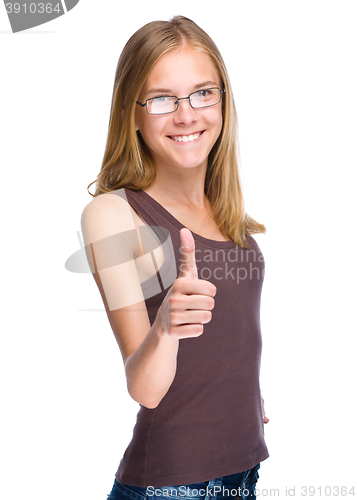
<point x="167" y="91"/>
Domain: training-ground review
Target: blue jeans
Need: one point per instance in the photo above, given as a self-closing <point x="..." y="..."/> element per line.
<point x="238" y="486"/>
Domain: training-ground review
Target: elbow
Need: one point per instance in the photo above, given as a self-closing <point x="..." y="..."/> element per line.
<point x="150" y="405"/>
<point x="150" y="401"/>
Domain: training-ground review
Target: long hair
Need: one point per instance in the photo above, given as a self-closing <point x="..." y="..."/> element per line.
<point x="127" y="160"/>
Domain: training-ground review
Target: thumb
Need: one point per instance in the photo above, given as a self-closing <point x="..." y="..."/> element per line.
<point x="188" y="267"/>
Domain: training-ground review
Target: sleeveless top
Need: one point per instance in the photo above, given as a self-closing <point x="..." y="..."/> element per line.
<point x="210" y="423"/>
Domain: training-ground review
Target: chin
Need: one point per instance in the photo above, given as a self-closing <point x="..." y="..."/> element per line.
<point x="191" y="162"/>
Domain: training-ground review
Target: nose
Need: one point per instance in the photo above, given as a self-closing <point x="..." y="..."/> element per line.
<point x="185" y="112"/>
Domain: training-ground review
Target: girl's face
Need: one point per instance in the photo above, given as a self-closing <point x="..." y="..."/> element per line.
<point x="179" y="73"/>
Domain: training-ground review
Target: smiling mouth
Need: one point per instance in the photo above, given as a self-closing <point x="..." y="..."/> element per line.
<point x="186" y="138"/>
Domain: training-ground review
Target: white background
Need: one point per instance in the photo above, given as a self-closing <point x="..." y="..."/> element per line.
<point x="66" y="418"/>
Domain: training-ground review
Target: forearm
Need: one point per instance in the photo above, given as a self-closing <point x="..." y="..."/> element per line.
<point x="151" y="369"/>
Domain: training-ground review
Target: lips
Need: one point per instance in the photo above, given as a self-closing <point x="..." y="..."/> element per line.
<point x="186" y="138"/>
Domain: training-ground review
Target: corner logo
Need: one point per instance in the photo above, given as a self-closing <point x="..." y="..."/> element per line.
<point x="25" y="15"/>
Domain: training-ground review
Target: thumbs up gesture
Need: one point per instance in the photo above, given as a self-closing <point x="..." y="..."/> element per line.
<point x="188" y="267"/>
<point x="188" y="303"/>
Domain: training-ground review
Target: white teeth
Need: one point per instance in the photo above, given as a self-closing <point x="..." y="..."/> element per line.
<point x="185" y="138"/>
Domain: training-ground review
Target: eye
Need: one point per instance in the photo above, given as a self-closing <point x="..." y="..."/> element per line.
<point x="162" y="99"/>
<point x="204" y="93"/>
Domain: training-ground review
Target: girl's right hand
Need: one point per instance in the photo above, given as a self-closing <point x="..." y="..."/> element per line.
<point x="188" y="304"/>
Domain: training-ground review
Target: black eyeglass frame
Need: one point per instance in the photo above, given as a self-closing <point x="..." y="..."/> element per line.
<point x="180" y="99"/>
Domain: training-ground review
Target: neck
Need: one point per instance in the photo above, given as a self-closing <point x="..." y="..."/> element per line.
<point x="185" y="187"/>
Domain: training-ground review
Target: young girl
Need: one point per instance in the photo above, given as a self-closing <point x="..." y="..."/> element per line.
<point x="170" y="246"/>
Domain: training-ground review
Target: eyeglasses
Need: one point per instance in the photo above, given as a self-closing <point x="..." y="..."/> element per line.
<point x="163" y="105"/>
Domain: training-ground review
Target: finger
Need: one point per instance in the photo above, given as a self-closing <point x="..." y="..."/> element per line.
<point x="195" y="287"/>
<point x="265" y="418"/>
<point x="190" y="317"/>
<point x="193" y="302"/>
<point x="188" y="268"/>
<point x="182" y="331"/>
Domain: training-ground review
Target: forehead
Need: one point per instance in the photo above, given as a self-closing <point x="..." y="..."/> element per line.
<point x="182" y="69"/>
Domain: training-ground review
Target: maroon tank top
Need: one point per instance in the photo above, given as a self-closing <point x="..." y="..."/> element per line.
<point x="209" y="424"/>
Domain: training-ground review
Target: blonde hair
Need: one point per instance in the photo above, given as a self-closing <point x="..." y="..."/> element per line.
<point x="127" y="161"/>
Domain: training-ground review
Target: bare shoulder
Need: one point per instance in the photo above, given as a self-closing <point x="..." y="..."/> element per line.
<point x="116" y="272"/>
<point x="105" y="215"/>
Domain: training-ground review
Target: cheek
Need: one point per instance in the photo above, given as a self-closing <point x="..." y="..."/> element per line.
<point x="150" y="136"/>
<point x="214" y="117"/>
<point x="217" y="123"/>
<point x="151" y="128"/>
<point x="147" y="132"/>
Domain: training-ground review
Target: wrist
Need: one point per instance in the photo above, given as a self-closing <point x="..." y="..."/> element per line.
<point x="162" y="329"/>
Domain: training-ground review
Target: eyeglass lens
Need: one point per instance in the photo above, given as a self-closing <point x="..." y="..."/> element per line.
<point x="200" y="99"/>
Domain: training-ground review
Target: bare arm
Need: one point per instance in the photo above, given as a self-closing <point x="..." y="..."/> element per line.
<point x="149" y="352"/>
